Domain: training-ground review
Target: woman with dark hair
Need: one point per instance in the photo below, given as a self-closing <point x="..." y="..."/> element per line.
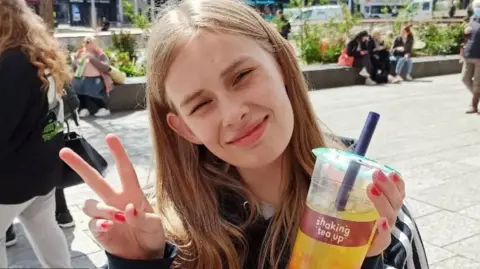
<point x="402" y="48"/>
<point x="360" y="49"/>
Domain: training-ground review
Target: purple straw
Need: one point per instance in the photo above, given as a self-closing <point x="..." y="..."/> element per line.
<point x="353" y="168"/>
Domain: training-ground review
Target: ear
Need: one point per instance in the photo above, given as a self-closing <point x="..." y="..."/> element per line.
<point x="177" y="124"/>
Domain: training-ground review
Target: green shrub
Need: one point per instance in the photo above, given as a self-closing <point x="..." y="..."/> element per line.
<point x="439" y="39"/>
<point x="124" y="42"/>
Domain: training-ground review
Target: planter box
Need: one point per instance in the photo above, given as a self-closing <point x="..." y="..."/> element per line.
<point x="131" y="95"/>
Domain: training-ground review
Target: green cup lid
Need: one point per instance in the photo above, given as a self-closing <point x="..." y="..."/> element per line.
<point x="341" y="160"/>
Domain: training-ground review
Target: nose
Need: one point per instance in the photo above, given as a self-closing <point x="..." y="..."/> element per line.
<point x="235" y="112"/>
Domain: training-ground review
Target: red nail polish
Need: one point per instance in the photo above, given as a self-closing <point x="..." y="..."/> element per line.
<point x="135" y="212"/>
<point x="120" y="216"/>
<point x="105" y="225"/>
<point x="385" y="224"/>
<point x="375" y="191"/>
<point x="395" y="177"/>
<point x="380" y="176"/>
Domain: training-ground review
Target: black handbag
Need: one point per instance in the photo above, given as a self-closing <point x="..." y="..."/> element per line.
<point x="79" y="145"/>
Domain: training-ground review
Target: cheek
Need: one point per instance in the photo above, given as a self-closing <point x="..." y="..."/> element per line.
<point x="205" y="130"/>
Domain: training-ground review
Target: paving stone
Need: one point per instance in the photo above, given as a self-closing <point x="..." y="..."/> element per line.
<point x="468" y="248"/>
<point x="436" y="254"/>
<point x="419" y="209"/>
<point x="443" y="228"/>
<point x="456" y="262"/>
<point x="472" y="212"/>
<point x="454" y="196"/>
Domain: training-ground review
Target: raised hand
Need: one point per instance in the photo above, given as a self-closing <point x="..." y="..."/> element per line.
<point x="124" y="223"/>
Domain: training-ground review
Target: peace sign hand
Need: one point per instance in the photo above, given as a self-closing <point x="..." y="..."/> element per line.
<point x="124" y="224"/>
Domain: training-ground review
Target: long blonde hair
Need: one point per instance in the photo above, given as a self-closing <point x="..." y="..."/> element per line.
<point x="189" y="176"/>
<point x="21" y="28"/>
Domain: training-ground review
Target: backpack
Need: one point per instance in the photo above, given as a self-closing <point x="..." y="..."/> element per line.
<point x="53" y="124"/>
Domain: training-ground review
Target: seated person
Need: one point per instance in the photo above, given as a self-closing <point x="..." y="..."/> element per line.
<point x="359" y="48"/>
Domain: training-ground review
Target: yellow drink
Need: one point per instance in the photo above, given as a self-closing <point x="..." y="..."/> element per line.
<point x="329" y="236"/>
<point x="326" y="242"/>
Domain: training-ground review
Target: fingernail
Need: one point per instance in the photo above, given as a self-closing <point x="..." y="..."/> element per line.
<point x="385" y="224"/>
<point x="395" y="177"/>
<point x="135" y="212"/>
<point x="120" y="216"/>
<point x="105" y="225"/>
<point x="380" y="176"/>
<point x="375" y="191"/>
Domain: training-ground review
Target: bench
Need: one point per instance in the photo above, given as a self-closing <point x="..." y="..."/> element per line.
<point x="131" y="95"/>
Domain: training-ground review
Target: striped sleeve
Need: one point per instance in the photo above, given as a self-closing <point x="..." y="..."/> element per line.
<point x="406" y="250"/>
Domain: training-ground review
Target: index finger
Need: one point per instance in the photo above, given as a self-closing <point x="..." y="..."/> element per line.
<point x="125" y="168"/>
<point x="91" y="176"/>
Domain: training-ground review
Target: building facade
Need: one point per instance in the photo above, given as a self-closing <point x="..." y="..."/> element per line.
<point x="78" y="12"/>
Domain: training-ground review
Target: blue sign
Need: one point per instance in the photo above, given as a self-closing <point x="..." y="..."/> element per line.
<point x="259" y="2"/>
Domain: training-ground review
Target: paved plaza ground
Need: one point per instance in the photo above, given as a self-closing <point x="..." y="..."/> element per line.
<point x="423" y="132"/>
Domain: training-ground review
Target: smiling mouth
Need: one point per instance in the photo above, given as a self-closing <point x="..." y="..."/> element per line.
<point x="252" y="135"/>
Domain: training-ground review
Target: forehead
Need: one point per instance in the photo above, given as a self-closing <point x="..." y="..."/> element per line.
<point x="202" y="60"/>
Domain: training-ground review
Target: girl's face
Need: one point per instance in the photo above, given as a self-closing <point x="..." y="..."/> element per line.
<point x="230" y="96"/>
<point x="89" y="45"/>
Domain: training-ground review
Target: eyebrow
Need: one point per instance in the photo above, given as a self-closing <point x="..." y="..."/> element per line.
<point x="225" y="72"/>
<point x="191" y="97"/>
<point x="234" y="65"/>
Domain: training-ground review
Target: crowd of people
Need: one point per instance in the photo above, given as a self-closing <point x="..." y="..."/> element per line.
<point x="374" y="59"/>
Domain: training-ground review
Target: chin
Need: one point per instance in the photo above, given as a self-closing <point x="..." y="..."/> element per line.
<point x="259" y="158"/>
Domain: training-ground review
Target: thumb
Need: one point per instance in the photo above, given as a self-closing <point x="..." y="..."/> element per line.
<point x="382" y="239"/>
<point x="146" y="222"/>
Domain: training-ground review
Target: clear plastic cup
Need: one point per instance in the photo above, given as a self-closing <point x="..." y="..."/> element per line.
<point x="332" y="234"/>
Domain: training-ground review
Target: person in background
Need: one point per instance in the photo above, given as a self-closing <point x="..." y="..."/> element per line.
<point x="359" y="48"/>
<point x="380" y="58"/>
<point x="92" y="82"/>
<point x="62" y="214"/>
<point x="236" y="135"/>
<point x="284" y="24"/>
<point x="268" y="14"/>
<point x="402" y="48"/>
<point x="471" y="58"/>
<point x="33" y="71"/>
<point x="105" y="24"/>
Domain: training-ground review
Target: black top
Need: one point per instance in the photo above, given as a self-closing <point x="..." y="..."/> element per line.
<point x="235" y="210"/>
<point x="29" y="158"/>
<point x="407" y="46"/>
<point x="356" y="45"/>
<point x="472" y="44"/>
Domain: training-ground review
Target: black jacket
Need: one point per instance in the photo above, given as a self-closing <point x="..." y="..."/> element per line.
<point x="406" y="248"/>
<point x="396" y="256"/>
<point x="354" y="47"/>
<point x="29" y="160"/>
<point x="407" y="46"/>
<point x="254" y="235"/>
<point x="471" y="49"/>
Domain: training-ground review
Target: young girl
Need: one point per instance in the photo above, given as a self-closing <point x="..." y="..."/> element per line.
<point x="233" y="131"/>
<point x="402" y="49"/>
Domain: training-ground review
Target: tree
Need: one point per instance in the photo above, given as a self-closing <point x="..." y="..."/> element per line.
<point x="46" y="12"/>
